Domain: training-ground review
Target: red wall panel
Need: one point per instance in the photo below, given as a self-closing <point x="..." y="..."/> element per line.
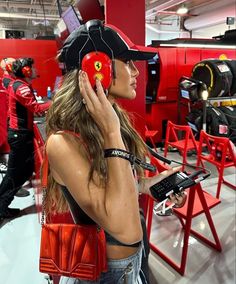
<point x="42" y="51"/>
<point x="167" y="85"/>
<point x="217" y="53"/>
<point x="129" y="16"/>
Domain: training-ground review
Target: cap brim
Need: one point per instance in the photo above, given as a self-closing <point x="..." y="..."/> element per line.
<point x="139" y="53"/>
<point x="133" y="52"/>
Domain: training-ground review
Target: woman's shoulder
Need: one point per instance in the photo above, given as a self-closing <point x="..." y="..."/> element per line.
<point x="62" y="143"/>
<point x="63" y="135"/>
<point x="58" y="137"/>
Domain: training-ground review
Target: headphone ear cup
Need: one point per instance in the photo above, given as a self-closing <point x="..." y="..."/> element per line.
<point x="9" y="67"/>
<point x="27" y="71"/>
<point x="98" y="66"/>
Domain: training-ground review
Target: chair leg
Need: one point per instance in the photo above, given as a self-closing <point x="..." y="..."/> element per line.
<point x="149" y="216"/>
<point x="229" y="184"/>
<point x="166" y="149"/>
<point x="217" y="244"/>
<point x="153" y="144"/>
<point x="220" y="180"/>
<point x="187" y="229"/>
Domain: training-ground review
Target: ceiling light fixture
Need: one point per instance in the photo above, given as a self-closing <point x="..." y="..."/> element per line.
<point x="198" y="45"/>
<point x="182" y="10"/>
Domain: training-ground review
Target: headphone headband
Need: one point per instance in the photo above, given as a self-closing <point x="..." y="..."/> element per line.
<point x="93" y="24"/>
<point x="26" y="61"/>
<point x="22" y="67"/>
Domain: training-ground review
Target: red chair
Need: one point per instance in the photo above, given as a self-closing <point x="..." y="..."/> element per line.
<point x="198" y="202"/>
<point x="180" y="137"/>
<point x="150" y="135"/>
<point x="219" y="152"/>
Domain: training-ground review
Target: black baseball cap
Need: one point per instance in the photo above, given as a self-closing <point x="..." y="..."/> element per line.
<point x="96" y="36"/>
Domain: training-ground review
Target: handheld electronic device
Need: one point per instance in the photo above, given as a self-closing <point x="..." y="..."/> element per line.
<point x="168" y="185"/>
<point x="176" y="183"/>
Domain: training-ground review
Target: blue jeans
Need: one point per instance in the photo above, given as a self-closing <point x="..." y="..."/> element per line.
<point x="121" y="271"/>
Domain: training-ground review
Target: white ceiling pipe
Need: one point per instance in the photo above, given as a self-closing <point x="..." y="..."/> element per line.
<point x="29" y="6"/>
<point x="211" y="18"/>
<point x="158" y="31"/>
<point x="161" y="7"/>
<point x="29" y="16"/>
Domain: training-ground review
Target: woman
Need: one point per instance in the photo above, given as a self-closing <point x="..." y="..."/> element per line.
<point x="105" y="188"/>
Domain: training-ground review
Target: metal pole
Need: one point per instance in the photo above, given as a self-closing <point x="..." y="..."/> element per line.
<point x="204" y="115"/>
<point x="59" y="8"/>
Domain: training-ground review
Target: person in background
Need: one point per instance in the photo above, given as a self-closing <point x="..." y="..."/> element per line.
<point x="8" y="76"/>
<point x="84" y="125"/>
<point x="5" y="80"/>
<point x="22" y="107"/>
<point x="3" y="129"/>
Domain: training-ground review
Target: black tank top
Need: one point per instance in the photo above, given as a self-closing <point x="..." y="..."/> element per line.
<point x="80" y="217"/>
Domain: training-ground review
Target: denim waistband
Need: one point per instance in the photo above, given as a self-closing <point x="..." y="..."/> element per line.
<point x="124" y="270"/>
<point x="121" y="263"/>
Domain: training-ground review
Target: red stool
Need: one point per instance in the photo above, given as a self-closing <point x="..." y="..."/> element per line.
<point x="219" y="152"/>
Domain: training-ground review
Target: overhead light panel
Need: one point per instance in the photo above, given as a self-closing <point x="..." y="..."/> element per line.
<point x="182" y="10"/>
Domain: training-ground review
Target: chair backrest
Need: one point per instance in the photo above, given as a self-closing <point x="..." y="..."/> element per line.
<point x="159" y="165"/>
<point x="218" y="148"/>
<point x="175" y="132"/>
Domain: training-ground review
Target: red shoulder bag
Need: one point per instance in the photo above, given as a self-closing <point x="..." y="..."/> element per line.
<point x="71" y="250"/>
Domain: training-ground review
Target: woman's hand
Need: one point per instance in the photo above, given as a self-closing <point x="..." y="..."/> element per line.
<point x="98" y="105"/>
<point x="177" y="199"/>
<point x="148" y="182"/>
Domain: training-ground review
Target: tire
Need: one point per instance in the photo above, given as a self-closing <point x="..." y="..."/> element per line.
<point x="232" y="66"/>
<point x="216" y="75"/>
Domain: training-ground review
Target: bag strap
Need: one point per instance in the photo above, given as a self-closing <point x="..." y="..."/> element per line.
<point x="44" y="178"/>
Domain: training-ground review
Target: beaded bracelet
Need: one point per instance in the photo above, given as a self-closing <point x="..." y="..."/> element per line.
<point x="123" y="154"/>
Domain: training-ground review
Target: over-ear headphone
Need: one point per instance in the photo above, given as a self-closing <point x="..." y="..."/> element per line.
<point x="22" y="67"/>
<point x="97" y="64"/>
<point x="8" y="66"/>
<point x="27" y="71"/>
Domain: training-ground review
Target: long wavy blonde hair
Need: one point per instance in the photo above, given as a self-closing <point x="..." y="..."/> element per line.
<point x="67" y="112"/>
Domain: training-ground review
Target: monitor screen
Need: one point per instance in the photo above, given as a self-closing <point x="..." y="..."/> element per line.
<point x="193" y="126"/>
<point x="184" y="94"/>
<point x="153" y="60"/>
<point x="153" y="78"/>
<point x="71" y="19"/>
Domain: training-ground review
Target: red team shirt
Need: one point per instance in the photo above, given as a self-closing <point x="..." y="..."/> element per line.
<point x="23" y="105"/>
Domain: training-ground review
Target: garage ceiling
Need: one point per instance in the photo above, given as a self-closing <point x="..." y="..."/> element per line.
<point x="38" y="14"/>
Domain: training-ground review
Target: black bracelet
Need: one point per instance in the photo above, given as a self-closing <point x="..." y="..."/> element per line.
<point x="120" y="153"/>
